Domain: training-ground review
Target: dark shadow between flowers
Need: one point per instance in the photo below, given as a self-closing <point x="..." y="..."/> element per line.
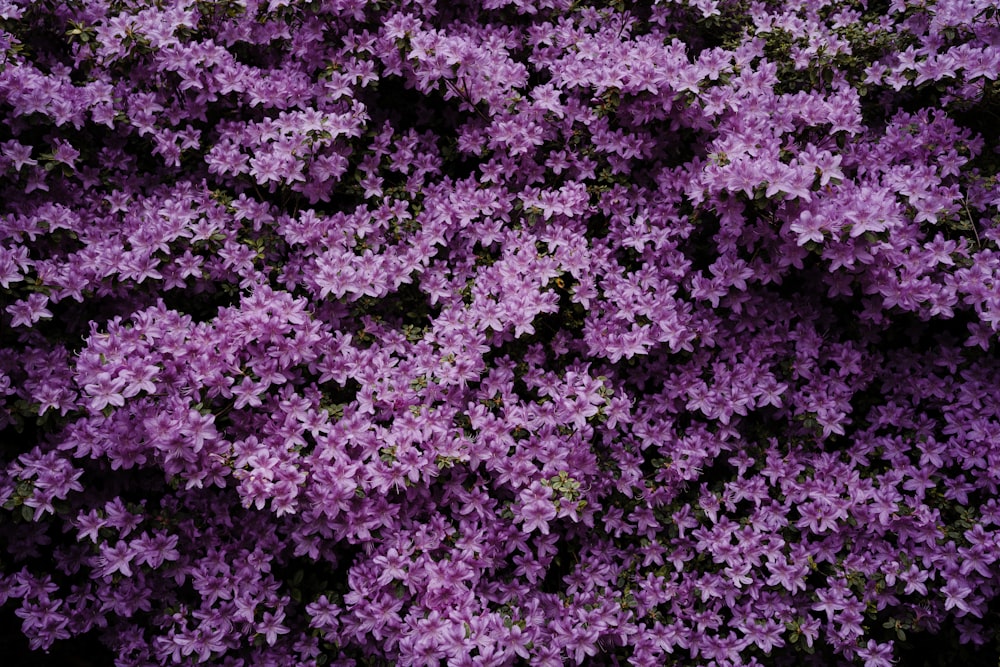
<point x="83" y="651"/>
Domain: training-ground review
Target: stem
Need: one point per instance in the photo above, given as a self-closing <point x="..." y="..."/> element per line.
<point x="965" y="205"/>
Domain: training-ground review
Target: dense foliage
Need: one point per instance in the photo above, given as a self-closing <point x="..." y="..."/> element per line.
<point x="500" y="332"/>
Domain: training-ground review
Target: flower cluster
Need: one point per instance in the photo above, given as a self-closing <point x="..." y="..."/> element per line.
<point x="349" y="332"/>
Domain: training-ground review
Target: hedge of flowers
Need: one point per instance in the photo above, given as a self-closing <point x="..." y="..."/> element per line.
<point x="495" y="332"/>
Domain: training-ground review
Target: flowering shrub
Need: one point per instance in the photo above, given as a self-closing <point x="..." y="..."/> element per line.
<point x="480" y="333"/>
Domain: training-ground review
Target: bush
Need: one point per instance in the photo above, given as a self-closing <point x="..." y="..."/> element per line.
<point x="503" y="332"/>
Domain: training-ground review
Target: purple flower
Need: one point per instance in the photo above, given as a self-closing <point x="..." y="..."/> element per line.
<point x="105" y="390"/>
<point x="270" y="626"/>
<point x="956" y="595"/>
<point x="877" y="655"/>
<point x="536" y="508"/>
<point x="28" y="311"/>
<point x="156" y="549"/>
<point x="89" y="524"/>
<point x="117" y="558"/>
